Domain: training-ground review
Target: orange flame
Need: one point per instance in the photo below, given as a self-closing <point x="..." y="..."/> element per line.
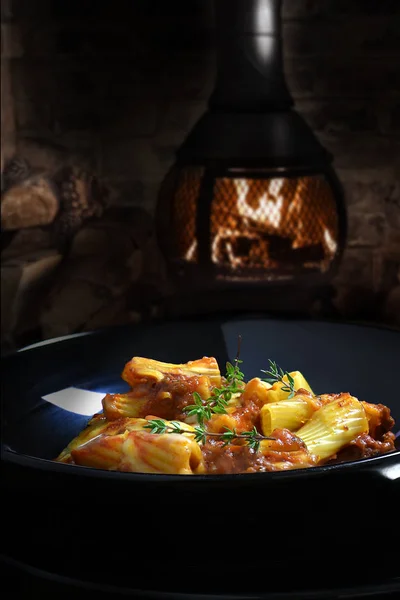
<point x="252" y="215"/>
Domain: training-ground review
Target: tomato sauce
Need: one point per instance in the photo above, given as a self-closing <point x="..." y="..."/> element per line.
<point x="168" y="398"/>
<point x="284" y="452"/>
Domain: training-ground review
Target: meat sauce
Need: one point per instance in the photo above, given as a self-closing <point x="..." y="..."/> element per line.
<point x="248" y="415"/>
<point x="285" y="452"/>
<point x="379" y="419"/>
<point x="168" y="398"/>
<point x="365" y="446"/>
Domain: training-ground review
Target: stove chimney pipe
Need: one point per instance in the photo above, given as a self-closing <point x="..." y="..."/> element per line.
<point x="250" y="120"/>
<point x="250" y="63"/>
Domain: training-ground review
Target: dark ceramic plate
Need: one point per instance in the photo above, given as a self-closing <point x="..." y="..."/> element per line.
<point x="234" y="534"/>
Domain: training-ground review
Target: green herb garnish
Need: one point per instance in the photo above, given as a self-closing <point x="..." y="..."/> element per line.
<point x="252" y="438"/>
<point x="276" y="374"/>
<point x="216" y="404"/>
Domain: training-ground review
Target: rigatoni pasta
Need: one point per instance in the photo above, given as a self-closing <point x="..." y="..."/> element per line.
<point x="188" y="419"/>
<point x="286" y="414"/>
<point x="333" y="426"/>
<point x="141" y="451"/>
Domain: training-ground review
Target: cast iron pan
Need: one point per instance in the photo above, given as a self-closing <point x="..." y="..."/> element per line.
<point x="253" y="535"/>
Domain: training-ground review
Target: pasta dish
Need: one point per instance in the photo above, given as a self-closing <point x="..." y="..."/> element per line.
<point x="188" y="419"/>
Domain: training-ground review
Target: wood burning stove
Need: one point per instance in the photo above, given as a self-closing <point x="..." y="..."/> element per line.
<point x="252" y="198"/>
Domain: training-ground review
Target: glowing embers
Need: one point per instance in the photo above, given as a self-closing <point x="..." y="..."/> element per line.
<point x="281" y="223"/>
<point x="273" y="223"/>
<point x="277" y="225"/>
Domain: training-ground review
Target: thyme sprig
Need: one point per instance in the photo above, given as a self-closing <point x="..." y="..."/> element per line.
<point x="252" y="438"/>
<point x="217" y="403"/>
<point x="276" y="374"/>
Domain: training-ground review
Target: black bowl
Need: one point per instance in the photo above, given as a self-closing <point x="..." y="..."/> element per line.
<point x="245" y="533"/>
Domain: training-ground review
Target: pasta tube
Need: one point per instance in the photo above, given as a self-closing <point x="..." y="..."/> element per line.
<point x="258" y="388"/>
<point x="168" y="453"/>
<point x="96" y="426"/>
<point x="219" y="423"/>
<point x="142" y="452"/>
<point x="99" y="427"/>
<point x="265" y="392"/>
<point x="140" y="369"/>
<point x="116" y="406"/>
<point x="276" y="394"/>
<point x="286" y="451"/>
<point x="126" y="445"/>
<point x="379" y="419"/>
<point x="102" y="452"/>
<point x="286" y="414"/>
<point x="333" y="426"/>
<point x="163" y="389"/>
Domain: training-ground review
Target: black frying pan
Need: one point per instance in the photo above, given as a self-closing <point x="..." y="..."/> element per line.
<point x="266" y="532"/>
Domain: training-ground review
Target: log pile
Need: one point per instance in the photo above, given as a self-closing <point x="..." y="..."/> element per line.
<point x="72" y="261"/>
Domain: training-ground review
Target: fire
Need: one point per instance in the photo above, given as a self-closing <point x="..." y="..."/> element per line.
<point x="265" y="223"/>
<point x="191" y="253"/>
<point x="330" y="242"/>
<point x="267" y="210"/>
<point x="224" y="242"/>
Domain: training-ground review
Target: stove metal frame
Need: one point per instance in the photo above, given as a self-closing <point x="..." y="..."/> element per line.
<point x="249" y="128"/>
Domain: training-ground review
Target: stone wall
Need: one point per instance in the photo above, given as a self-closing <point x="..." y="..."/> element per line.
<point x="115" y="87"/>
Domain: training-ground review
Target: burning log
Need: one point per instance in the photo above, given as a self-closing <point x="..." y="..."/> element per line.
<point x="262" y="223"/>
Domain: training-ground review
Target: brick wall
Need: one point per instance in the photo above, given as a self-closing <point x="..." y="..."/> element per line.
<point x="118" y="85"/>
